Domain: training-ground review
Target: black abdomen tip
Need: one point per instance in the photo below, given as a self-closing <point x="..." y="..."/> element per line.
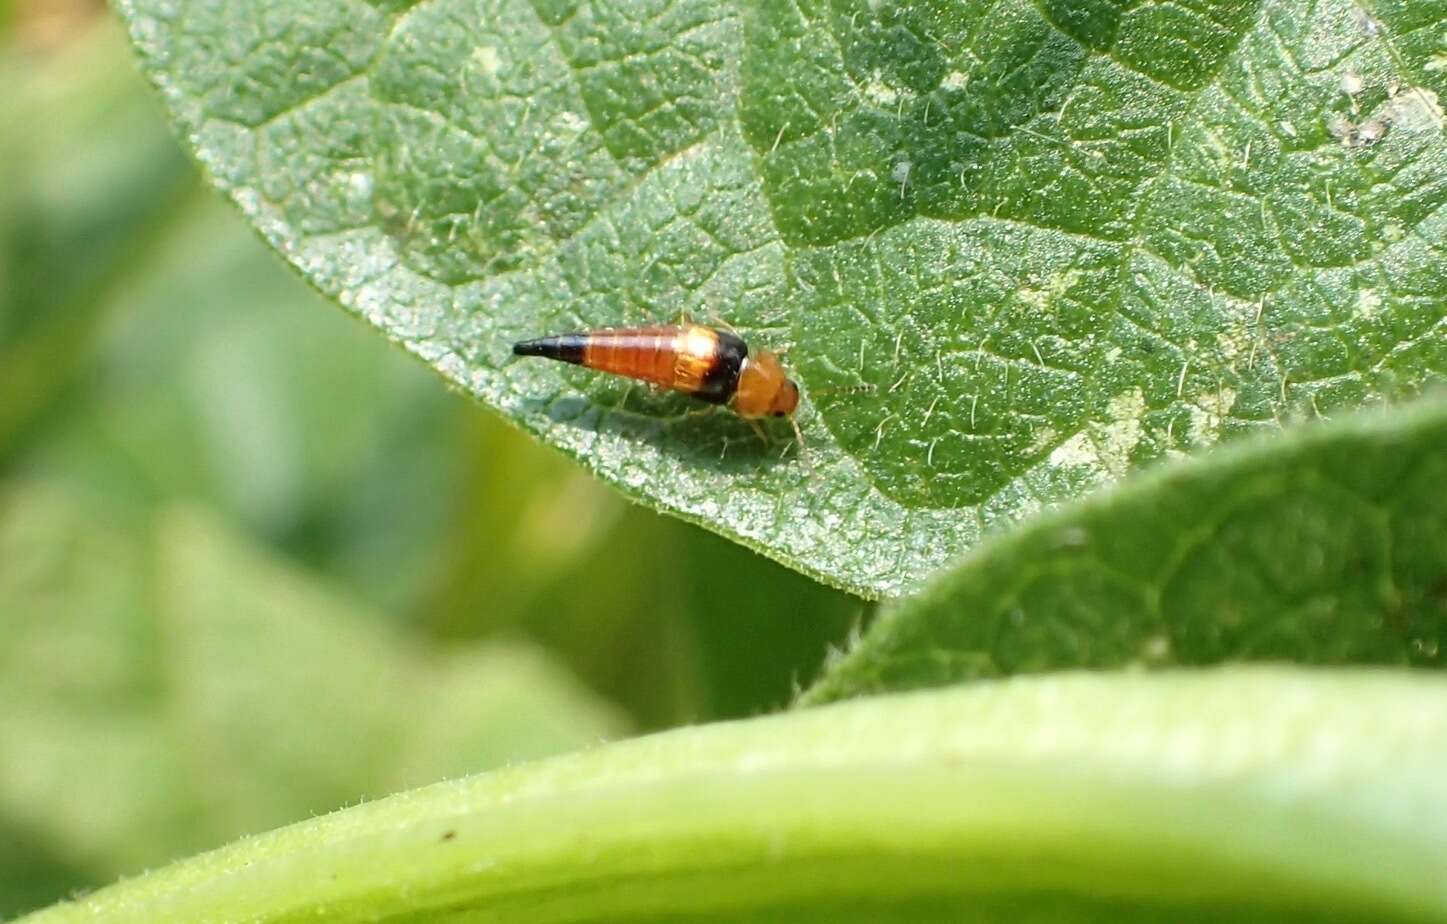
<point x="565" y="347"/>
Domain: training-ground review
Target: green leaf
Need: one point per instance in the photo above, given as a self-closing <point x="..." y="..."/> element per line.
<point x="1322" y="547"/>
<point x="168" y="687"/>
<point x="1017" y="248"/>
<point x="1268" y="795"/>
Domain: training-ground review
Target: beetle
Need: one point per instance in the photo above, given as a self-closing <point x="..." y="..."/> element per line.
<point x="708" y="363"/>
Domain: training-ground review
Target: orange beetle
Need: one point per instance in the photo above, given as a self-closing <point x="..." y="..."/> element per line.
<point x="709" y="364"/>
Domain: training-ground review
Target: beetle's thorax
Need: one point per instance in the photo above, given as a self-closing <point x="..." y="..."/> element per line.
<point x="764" y="390"/>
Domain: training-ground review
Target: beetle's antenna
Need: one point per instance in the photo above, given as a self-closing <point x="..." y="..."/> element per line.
<point x="864" y="388"/>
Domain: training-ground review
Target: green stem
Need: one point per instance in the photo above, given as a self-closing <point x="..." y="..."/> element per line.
<point x="1275" y="794"/>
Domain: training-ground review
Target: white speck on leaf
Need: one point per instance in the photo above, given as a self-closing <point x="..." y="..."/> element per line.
<point x="1208" y="411"/>
<point x="880" y="93"/>
<point x="955" y="80"/>
<point x="1371" y="132"/>
<point x="1415" y="109"/>
<point x="1035" y="298"/>
<point x="1365" y="22"/>
<point x="571" y="122"/>
<point x="1041" y="438"/>
<point x="1342" y="129"/>
<point x="360" y="185"/>
<point x="488" y="59"/>
<point x="1120" y="435"/>
<point x="1077" y="451"/>
<point x="1233" y="342"/>
<point x="1368" y="303"/>
<point x="900" y="174"/>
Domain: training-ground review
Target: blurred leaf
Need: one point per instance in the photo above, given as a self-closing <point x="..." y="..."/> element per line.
<point x="215" y="376"/>
<point x="1322" y="547"/>
<point x="655" y="613"/>
<point x="167" y="686"/>
<point x="91" y="176"/>
<point x="1263" y="796"/>
<point x="1018" y="248"/>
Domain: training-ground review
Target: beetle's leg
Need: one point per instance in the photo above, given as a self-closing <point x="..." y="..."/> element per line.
<point x="717" y="321"/>
<point x="707" y="410"/>
<point x="803" y="449"/>
<point x="758" y="431"/>
<point x="622" y="405"/>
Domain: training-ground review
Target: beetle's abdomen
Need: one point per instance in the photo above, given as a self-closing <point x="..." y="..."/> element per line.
<point x="696" y="360"/>
<point x="644" y="353"/>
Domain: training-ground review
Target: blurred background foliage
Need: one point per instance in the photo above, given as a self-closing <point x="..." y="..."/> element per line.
<point x="255" y="563"/>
